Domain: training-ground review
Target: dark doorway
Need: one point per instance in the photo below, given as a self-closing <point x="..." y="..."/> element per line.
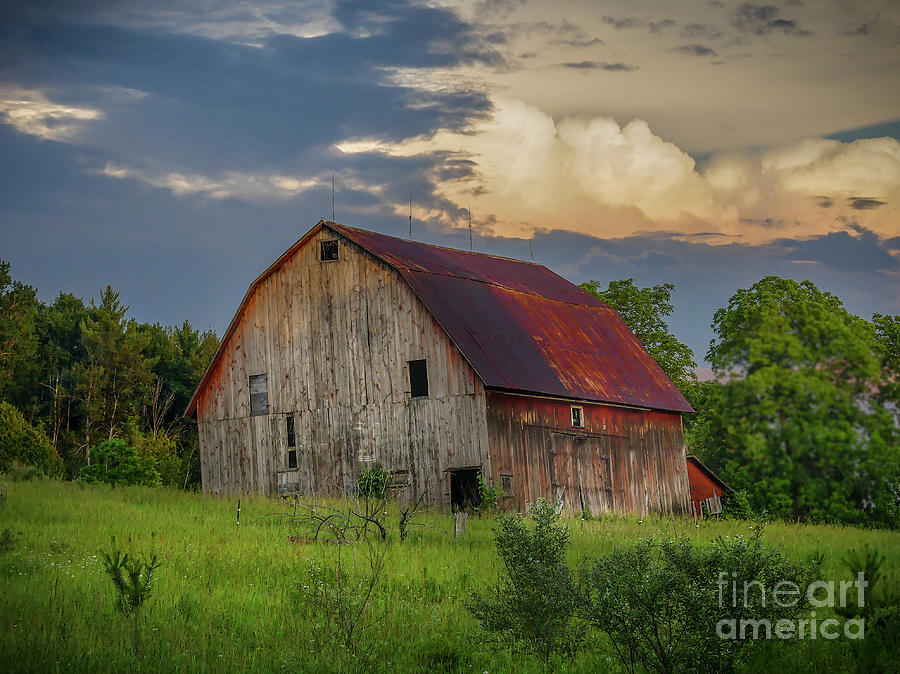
<point x="464" y="493"/>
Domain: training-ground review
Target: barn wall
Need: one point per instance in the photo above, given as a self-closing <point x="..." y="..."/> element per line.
<point x="334" y="339"/>
<point x="622" y="460"/>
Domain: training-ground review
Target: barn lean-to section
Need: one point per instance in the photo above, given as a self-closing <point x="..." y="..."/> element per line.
<point x="510" y="350"/>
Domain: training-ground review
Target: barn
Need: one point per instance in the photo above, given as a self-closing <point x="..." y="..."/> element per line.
<point x="707" y="489"/>
<point x="442" y="365"/>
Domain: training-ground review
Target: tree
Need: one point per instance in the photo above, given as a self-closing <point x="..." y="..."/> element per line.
<point x="644" y="311"/>
<point x="116" y="373"/>
<point x="23" y="444"/>
<point x="887" y="334"/>
<point x="18" y="339"/>
<point x="797" y="422"/>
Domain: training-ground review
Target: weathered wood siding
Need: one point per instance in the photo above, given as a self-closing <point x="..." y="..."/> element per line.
<point x="334" y="339"/>
<point x="623" y="459"/>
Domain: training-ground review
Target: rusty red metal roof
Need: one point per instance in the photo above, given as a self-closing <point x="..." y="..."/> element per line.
<point x="523" y="327"/>
<point x="519" y="325"/>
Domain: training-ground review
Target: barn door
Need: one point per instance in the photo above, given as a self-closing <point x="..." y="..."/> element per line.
<point x="592" y="474"/>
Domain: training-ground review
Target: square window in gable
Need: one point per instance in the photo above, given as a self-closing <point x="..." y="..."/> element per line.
<point x="328" y="250"/>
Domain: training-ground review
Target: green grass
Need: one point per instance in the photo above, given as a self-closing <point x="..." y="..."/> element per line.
<point x="242" y="598"/>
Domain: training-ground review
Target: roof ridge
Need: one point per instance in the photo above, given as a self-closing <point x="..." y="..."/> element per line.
<point x="333" y="224"/>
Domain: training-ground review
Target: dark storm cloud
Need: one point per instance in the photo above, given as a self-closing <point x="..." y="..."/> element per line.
<point x="278" y="105"/>
<point x="893" y="244"/>
<point x="864" y="203"/>
<point x="599" y="65"/>
<point x="824" y="202"/>
<point x="695" y="50"/>
<point x="763" y="20"/>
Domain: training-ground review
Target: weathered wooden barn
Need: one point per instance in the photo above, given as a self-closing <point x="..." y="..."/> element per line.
<point x="355" y="347"/>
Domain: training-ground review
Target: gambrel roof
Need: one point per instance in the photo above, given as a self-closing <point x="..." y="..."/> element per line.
<point x="519" y="325"/>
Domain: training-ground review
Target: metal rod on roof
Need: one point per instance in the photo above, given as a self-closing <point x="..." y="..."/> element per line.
<point x="332" y="197"/>
<point x="469" y="209"/>
<point x="410" y="216"/>
<point x="531" y="248"/>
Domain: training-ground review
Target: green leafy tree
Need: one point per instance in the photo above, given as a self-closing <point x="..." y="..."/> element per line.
<point x="644" y="311"/>
<point x="19" y="309"/>
<point x="60" y="350"/>
<point x="887" y="334"/>
<point x="23" y="444"/>
<point x="797" y="422"/>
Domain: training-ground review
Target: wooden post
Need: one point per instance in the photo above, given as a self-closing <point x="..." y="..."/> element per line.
<point x="459" y="523"/>
<point x="239" y="512"/>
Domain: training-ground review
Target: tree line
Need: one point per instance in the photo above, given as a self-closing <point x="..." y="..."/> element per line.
<point x="803" y="412"/>
<point x="80" y="374"/>
<point x="802" y="415"/>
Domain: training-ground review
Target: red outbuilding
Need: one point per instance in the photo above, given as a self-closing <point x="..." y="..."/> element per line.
<point x="707" y="488"/>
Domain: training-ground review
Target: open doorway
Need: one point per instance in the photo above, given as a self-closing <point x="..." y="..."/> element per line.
<point x="464" y="494"/>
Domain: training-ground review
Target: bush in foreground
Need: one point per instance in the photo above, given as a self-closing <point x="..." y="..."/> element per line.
<point x="536" y="596"/>
<point x="660" y="601"/>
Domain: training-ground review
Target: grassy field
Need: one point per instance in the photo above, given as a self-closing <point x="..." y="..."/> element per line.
<point x="247" y="598"/>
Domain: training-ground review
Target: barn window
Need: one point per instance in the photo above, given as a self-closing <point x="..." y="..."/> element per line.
<point x="259" y="395"/>
<point x="418" y="379"/>
<point x="291" y="437"/>
<point x="577" y="417"/>
<point x="506" y="484"/>
<point x="292" y="459"/>
<point x="328" y="250"/>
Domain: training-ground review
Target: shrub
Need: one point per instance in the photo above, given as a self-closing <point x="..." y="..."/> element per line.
<point x="114" y="462"/>
<point x="535" y="598"/>
<point x="23" y="444"/>
<point x="660" y="602"/>
<point x="163" y="449"/>
<point x="19" y="473"/>
<point x="373" y="482"/>
<point x="488" y="496"/>
<point x="737" y="506"/>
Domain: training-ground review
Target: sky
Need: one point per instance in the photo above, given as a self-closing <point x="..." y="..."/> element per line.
<point x="174" y="149"/>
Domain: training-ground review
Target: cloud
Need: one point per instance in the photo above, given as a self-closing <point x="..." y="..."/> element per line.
<point x="695" y="50"/>
<point x="697" y="30"/>
<point x="624" y="22"/>
<point x="248" y="187"/>
<point x="865" y="203"/>
<point x="635" y="22"/>
<point x="599" y="65"/>
<point x="764" y="20"/>
<point x="594" y="175"/>
<point x="32" y="113"/>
